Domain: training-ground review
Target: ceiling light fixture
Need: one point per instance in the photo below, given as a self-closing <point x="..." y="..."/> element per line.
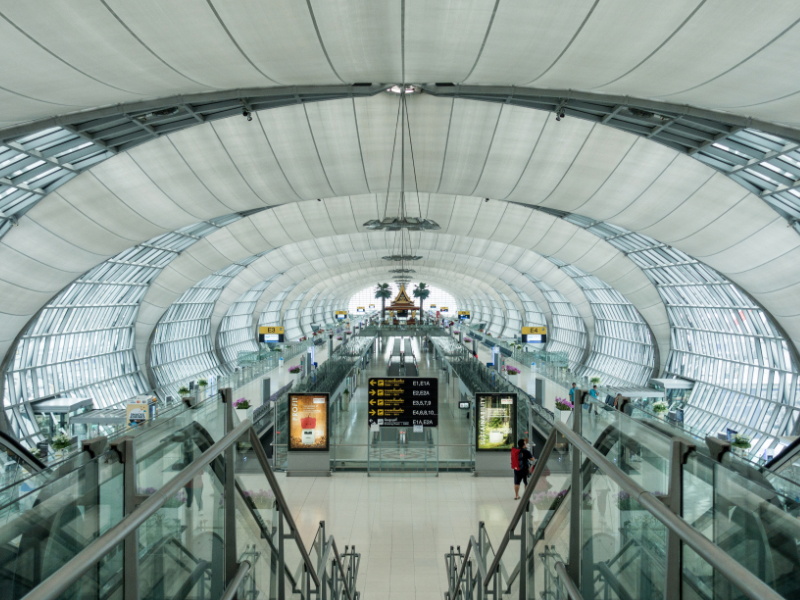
<point x="406" y="88"/>
<point x="401" y="257"/>
<point x="402" y="271"/>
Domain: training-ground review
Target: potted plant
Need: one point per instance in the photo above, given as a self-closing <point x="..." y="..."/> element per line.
<point x="511" y="370"/>
<point x="61" y="444"/>
<point x="660" y="408"/>
<point x="294" y="370"/>
<point x="244" y="404"/>
<point x="564" y="406"/>
<point x="740" y="444"/>
<point x="202" y="383"/>
<point x="467" y="340"/>
<point x="595" y="380"/>
<point x="185" y="393"/>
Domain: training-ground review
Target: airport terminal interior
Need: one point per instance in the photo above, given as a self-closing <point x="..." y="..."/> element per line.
<point x="399" y="299"/>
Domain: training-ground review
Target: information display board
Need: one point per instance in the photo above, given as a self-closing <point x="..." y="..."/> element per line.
<point x="270" y="334"/>
<point x="308" y="421"/>
<point x="463" y="315"/>
<point x="496" y="421"/>
<point x="341" y="315"/>
<point x="431" y="306"/>
<point x="534" y="335"/>
<point x="403" y="401"/>
<point x="372" y="306"/>
<point x="360" y="309"/>
<point x="444" y="309"/>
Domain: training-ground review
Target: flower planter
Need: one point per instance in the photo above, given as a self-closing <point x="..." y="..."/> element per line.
<point x="742" y="452"/>
<point x="563" y="415"/>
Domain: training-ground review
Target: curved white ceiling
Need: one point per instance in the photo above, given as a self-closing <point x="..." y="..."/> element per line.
<point x="343" y="149"/>
<point x="734" y="56"/>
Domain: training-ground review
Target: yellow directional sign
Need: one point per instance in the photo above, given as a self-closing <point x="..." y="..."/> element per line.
<point x="278" y="330"/>
<point x="534" y="331"/>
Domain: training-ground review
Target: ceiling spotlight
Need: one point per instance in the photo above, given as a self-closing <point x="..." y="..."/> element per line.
<point x="398" y="223"/>
<point x="247" y="114"/>
<point x="407" y="89"/>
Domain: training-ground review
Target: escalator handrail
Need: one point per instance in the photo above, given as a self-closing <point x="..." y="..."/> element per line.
<point x="748" y="583"/>
<point x="25" y="455"/>
<point x="73" y="570"/>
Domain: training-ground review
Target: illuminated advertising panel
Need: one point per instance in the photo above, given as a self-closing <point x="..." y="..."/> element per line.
<point x="496" y="421"/>
<point x="308" y="421"/>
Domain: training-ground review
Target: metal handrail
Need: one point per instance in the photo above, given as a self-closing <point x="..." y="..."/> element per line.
<point x="261" y="456"/>
<point x="541" y="465"/>
<point x="747" y="582"/>
<point x="464" y="562"/>
<point x="737" y="574"/>
<point x="572" y="589"/>
<point x="233" y="586"/>
<point x="57" y="583"/>
<point x="72" y="570"/>
<point x="341" y="569"/>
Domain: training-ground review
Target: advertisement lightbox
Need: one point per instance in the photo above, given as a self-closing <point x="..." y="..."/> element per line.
<point x="308" y="421"/>
<point x="496" y="421"/>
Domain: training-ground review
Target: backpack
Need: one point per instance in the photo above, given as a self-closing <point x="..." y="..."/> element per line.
<point x="515" y="459"/>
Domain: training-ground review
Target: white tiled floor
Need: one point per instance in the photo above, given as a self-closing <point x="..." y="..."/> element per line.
<point x="401" y="525"/>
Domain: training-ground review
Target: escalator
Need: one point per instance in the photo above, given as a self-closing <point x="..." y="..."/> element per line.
<point x="161" y="498"/>
<point x="622" y="544"/>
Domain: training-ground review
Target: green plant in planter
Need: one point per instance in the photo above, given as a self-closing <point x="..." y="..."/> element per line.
<point x="741" y="441"/>
<point x="185" y="391"/>
<point x="203" y="383"/>
<point x="595" y="380"/>
<point x="346" y="392"/>
<point x="660" y="407"/>
<point x="61" y="442"/>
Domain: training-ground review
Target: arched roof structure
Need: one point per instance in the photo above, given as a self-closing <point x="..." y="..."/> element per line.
<point x="676" y="164"/>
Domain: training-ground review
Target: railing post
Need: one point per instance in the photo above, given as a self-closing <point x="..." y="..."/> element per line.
<point x="523" y="556"/>
<point x="674" y="572"/>
<point x="281" y="558"/>
<point x="231" y="565"/>
<point x="576" y="494"/>
<point x="130" y="569"/>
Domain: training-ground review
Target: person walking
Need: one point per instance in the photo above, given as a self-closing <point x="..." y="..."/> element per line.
<point x="194" y="489"/>
<point x="521" y="459"/>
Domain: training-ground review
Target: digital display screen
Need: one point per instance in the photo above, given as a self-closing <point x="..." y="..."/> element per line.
<point x="463" y="404"/>
<point x="534" y="339"/>
<point x="340" y="317"/>
<point x="360" y="309"/>
<point x="308" y="421"/>
<point x="270" y="337"/>
<point x="496" y="421"/>
<point x="463" y="317"/>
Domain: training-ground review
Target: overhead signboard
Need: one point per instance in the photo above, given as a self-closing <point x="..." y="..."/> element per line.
<point x="308" y="421"/>
<point x="496" y="420"/>
<point x="444" y="309"/>
<point x="372" y="306"/>
<point x="270" y="334"/>
<point x="534" y="335"/>
<point x="360" y="309"/>
<point x="432" y="306"/>
<point x="403" y="401"/>
<point x="463" y="315"/>
<point x="341" y="315"/>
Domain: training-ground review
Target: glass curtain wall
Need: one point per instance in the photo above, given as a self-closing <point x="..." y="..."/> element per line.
<point x="182" y="347"/>
<point x="82" y="343"/>
<point x="622" y="352"/>
<point x="568" y="331"/>
<point x="746" y="376"/>
<point x="533" y="314"/>
<point x="513" y="319"/>
<point x="236" y="332"/>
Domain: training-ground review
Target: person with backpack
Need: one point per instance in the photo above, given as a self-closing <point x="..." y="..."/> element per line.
<point x="521" y="459"/>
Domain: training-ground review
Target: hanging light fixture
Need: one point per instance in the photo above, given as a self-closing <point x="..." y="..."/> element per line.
<point x="402" y="222"/>
<point x="402" y="271"/>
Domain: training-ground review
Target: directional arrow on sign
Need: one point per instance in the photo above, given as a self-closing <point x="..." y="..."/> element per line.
<point x="372" y="392"/>
<point x="372" y="401"/>
<point x="372" y="412"/>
